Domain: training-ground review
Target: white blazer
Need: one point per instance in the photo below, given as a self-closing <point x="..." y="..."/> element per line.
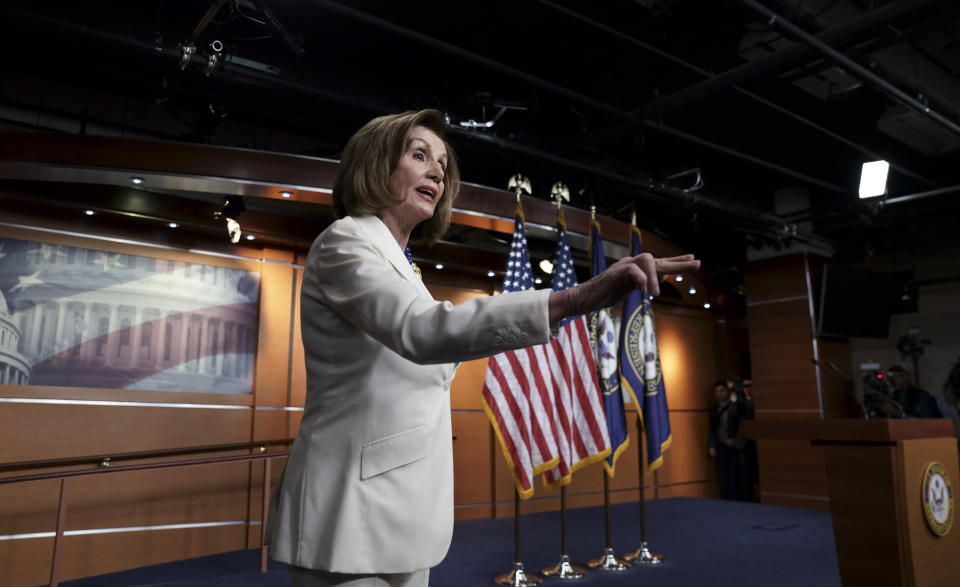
<point x="368" y="486"/>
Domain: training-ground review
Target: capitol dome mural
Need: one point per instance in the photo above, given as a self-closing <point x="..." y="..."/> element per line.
<point x="14" y="368"/>
<point x="86" y="318"/>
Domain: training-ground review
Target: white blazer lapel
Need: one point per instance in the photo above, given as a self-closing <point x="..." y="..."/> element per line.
<point x="380" y="236"/>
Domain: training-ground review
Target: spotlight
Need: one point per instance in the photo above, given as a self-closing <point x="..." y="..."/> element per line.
<point x="439" y="266"/>
<point x="873" y="179"/>
<point x="693" y="290"/>
<point x="538" y="281"/>
<point x="172" y="224"/>
<point x="286" y="194"/>
<point x="706" y="305"/>
<point x="546" y="266"/>
<point x="136" y="180"/>
<point x="233" y="229"/>
<point x="250" y="237"/>
<point x="89" y="212"/>
<point x="679" y="278"/>
<point x="490" y="273"/>
<point x="230" y="209"/>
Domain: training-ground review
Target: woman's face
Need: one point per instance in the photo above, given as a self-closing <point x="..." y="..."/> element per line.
<point x="417" y="181"/>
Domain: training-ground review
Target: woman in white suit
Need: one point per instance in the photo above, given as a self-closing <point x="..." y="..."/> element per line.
<point x="366" y="496"/>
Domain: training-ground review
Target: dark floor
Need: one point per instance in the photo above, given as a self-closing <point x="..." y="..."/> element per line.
<point x="704" y="542"/>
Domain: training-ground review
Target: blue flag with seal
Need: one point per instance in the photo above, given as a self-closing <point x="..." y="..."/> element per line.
<point x="603" y="340"/>
<point x="640" y="367"/>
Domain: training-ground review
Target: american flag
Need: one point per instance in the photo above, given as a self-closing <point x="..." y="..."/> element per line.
<point x="578" y="402"/>
<point x="80" y="317"/>
<point x="518" y="388"/>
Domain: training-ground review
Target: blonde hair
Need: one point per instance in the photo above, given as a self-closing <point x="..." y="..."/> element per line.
<point x="373" y="152"/>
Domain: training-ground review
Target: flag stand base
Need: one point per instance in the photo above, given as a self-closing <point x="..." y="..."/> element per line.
<point x="564" y="570"/>
<point x="608" y="562"/>
<point x="643" y="556"/>
<point x="517" y="577"/>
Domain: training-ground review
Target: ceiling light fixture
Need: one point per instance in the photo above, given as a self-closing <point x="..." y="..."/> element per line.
<point x="230" y="209"/>
<point x="873" y="179"/>
<point x="538" y="281"/>
<point x="693" y="290"/>
<point x="490" y="273"/>
<point x="136" y="180"/>
<point x="89" y="212"/>
<point x="706" y="305"/>
<point x="172" y="224"/>
<point x="286" y="194"/>
<point x="546" y="266"/>
<point x="439" y="266"/>
<point x="679" y="278"/>
<point x="250" y="237"/>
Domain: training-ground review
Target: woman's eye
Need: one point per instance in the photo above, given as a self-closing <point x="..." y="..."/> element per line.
<point x="419" y="156"/>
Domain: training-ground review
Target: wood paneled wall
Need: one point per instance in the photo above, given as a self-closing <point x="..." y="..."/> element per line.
<point x="121" y="520"/>
<point x="782" y="295"/>
<point x="138" y="510"/>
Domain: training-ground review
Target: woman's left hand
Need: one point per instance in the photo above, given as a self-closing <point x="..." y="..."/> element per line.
<point x="640" y="273"/>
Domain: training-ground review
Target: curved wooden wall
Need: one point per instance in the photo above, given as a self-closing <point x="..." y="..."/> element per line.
<point x="222" y="501"/>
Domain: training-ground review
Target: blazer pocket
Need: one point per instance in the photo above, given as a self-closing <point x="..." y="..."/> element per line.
<point x="393" y="451"/>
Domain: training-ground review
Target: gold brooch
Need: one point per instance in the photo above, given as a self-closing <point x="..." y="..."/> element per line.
<point x="417" y="271"/>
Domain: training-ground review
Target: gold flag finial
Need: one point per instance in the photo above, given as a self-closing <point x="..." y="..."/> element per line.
<point x="519" y="184"/>
<point x="559" y="193"/>
<point x="593" y="212"/>
<point x="633" y="218"/>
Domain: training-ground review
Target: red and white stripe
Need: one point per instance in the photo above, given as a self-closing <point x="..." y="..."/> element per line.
<point x="517" y="393"/>
<point x="578" y="403"/>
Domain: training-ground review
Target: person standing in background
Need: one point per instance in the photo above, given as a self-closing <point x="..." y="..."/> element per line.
<point x="724" y="442"/>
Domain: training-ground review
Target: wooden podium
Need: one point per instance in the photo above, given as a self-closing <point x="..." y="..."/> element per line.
<point x="875" y="475"/>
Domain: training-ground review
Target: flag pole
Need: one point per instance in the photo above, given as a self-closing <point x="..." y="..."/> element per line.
<point x="564" y="569"/>
<point x="601" y="337"/>
<point x="608" y="561"/>
<point x="517" y="577"/>
<point x="642" y="555"/>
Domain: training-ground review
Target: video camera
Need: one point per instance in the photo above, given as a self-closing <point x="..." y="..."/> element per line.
<point x="878" y="392"/>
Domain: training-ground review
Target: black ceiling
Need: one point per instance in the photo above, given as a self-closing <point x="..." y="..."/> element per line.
<point x="728" y="125"/>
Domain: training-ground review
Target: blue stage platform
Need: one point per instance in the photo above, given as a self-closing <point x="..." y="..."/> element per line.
<point x="704" y="541"/>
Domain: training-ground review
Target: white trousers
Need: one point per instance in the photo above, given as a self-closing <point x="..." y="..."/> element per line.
<point x="301" y="577"/>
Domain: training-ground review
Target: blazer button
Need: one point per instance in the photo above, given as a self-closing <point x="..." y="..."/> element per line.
<point x="523" y="338"/>
<point x="498" y="341"/>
